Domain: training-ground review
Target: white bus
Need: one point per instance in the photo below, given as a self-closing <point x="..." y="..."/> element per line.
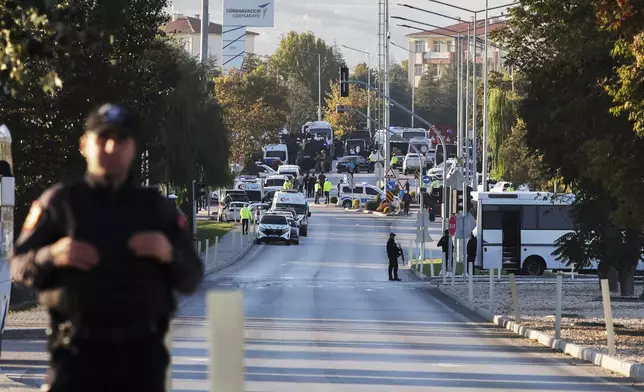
<point x="517" y="231"/>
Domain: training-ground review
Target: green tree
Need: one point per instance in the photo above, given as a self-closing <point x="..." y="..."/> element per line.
<point x="501" y="119"/>
<point x="302" y="108"/>
<point x="436" y="97"/>
<point x="254" y="109"/>
<point x="344" y="123"/>
<point x="297" y="57"/>
<point x="567" y="112"/>
<point x="521" y="165"/>
<point x="626" y="87"/>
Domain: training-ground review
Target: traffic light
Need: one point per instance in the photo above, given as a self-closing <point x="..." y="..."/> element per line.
<point x="344" y="78"/>
<point x="439" y="196"/>
<point x="200" y="189"/>
<point x="457" y="201"/>
<point x="468" y="198"/>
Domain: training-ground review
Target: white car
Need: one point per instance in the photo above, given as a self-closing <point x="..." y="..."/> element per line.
<point x="293" y="170"/>
<point x="297" y="201"/>
<point x="411" y="163"/>
<point x="231" y="211"/>
<point x="274" y="183"/>
<point x="273" y="227"/>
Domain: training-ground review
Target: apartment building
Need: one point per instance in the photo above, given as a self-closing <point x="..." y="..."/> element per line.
<point x="187" y="30"/>
<point x="437" y="48"/>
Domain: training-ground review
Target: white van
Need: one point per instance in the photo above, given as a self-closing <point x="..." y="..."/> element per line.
<point x="293" y="170"/>
<point x="252" y="186"/>
<point x="363" y="192"/>
<point x="296" y="200"/>
<point x="274" y="183"/>
<point x="276" y="151"/>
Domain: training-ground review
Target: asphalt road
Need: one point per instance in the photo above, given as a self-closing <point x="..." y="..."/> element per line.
<point x="322" y="316"/>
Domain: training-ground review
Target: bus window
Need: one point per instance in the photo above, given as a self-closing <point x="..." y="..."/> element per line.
<point x="492" y="218"/>
<point x="529" y="218"/>
<point x="555" y="218"/>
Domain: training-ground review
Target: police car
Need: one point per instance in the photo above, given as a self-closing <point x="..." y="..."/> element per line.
<point x="364" y="192"/>
<point x="273" y="227"/>
<point x="295" y="200"/>
<point x="252" y="186"/>
<point x="293" y="170"/>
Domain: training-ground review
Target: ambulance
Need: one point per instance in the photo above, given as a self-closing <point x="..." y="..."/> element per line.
<point x="252" y="186"/>
<point x="293" y="199"/>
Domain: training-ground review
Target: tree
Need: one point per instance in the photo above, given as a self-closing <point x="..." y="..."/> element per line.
<point x="521" y="165"/>
<point x="501" y="119"/>
<point x="254" y="109"/>
<point x="302" y="108"/>
<point x="296" y="57"/>
<point x="343" y="123"/>
<point x="400" y="91"/>
<point x="436" y="97"/>
<point x="563" y="54"/>
<point x="626" y="87"/>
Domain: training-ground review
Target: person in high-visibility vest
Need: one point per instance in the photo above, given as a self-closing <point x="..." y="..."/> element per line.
<point x="246" y="216"/>
<point x="394" y="160"/>
<point x="318" y="192"/>
<point x="288" y="184"/>
<point x="327" y="191"/>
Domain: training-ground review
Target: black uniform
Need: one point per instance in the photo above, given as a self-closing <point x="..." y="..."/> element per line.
<point x="109" y="322"/>
<point x="392" y="254"/>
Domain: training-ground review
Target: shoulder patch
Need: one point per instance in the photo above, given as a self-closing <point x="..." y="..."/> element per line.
<point x="182" y="222"/>
<point x="34" y="215"/>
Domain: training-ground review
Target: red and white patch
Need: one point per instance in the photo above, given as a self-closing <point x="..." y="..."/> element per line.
<point x="33" y="217"/>
<point x="182" y="222"/>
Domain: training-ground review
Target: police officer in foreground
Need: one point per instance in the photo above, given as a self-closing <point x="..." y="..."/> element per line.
<point x="393" y="251"/>
<point x="106" y="256"/>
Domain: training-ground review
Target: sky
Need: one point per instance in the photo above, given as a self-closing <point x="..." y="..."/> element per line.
<point x="350" y="22"/>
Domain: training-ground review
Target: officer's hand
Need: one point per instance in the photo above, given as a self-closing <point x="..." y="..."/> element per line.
<point x="152" y="244"/>
<point x="69" y="253"/>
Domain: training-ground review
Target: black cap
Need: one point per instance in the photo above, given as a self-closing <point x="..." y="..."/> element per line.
<point x="111" y="118"/>
<point x="392" y="235"/>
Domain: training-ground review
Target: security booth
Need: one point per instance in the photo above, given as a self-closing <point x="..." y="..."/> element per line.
<point x="7" y="204"/>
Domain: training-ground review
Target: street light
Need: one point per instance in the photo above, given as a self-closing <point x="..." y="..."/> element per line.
<point x="319" y="82"/>
<point x="413" y="86"/>
<point x="368" y="82"/>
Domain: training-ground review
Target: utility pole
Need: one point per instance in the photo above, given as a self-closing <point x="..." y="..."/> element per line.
<point x="485" y="104"/>
<point x="204" y="31"/>
<point x="320" y="90"/>
<point x="387" y="106"/>
<point x="474" y="136"/>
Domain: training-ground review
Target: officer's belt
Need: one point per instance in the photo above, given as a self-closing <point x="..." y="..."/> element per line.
<point x="98" y="333"/>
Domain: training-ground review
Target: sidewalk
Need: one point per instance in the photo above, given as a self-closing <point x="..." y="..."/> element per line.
<point x="31" y="323"/>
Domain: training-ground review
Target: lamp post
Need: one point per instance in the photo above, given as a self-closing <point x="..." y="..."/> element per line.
<point x="413" y="86"/>
<point x="319" y="82"/>
<point x="368" y="82"/>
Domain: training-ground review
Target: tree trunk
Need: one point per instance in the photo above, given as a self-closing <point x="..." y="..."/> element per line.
<point x="627" y="283"/>
<point x="606" y="271"/>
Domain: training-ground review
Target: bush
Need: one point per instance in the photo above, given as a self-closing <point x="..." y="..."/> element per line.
<point x="372" y="205"/>
<point x="382" y="206"/>
<point x="333" y="200"/>
<point x="386" y="210"/>
<point x="412" y="194"/>
<point x="378" y="200"/>
<point x="356" y="204"/>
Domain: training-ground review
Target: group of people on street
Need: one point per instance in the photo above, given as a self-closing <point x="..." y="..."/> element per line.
<point x="316" y="187"/>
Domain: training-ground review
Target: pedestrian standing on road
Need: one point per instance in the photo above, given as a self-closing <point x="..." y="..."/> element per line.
<point x="246" y="216"/>
<point x="393" y="251"/>
<point x="303" y="183"/>
<point x="318" y="192"/>
<point x="321" y="179"/>
<point x="105" y="256"/>
<point x="310" y="186"/>
<point x="406" y="199"/>
<point x="327" y="191"/>
<point x="444" y="244"/>
<point x="471" y="252"/>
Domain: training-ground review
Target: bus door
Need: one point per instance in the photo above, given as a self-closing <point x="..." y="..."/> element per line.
<point x="511" y="236"/>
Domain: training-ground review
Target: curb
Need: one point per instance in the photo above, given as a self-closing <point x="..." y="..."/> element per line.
<point x="368" y="212"/>
<point x="625" y="368"/>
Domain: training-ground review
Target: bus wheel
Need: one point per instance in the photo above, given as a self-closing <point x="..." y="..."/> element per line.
<point x="534" y="266"/>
